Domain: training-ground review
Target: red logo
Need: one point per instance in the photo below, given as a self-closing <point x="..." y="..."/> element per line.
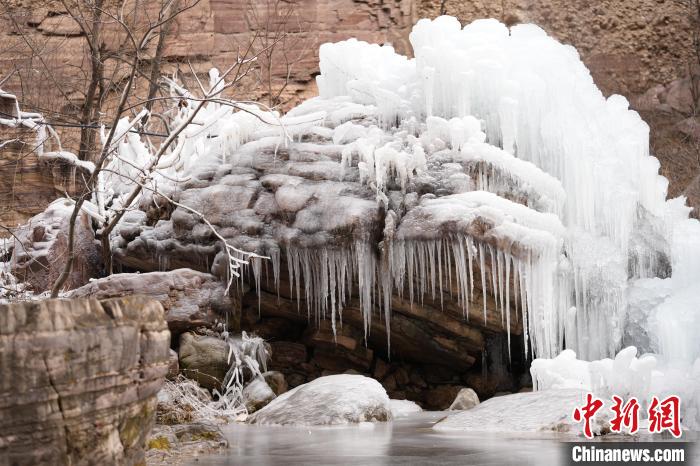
<point x="663" y="415"/>
<point x="586" y="412"/>
<point x="627" y="415"/>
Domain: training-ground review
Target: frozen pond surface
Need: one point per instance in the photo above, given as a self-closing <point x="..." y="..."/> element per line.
<point x="405" y="441"/>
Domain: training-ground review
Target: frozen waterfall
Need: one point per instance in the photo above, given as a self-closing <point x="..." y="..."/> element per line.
<point x="494" y="166"/>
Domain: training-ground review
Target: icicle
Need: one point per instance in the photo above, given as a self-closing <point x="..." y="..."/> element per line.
<point x="482" y="265"/>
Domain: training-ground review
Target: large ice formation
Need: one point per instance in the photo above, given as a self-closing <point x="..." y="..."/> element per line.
<point x="493" y="165"/>
<point x="490" y="151"/>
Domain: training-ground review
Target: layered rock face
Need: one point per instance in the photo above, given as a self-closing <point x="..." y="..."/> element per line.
<point x="29" y="182"/>
<point x="190" y="299"/>
<point x="628" y="47"/>
<point x="78" y="380"/>
<point x="211" y="34"/>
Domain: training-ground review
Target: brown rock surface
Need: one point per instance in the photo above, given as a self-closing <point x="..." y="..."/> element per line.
<point x="78" y="380"/>
<point x="191" y="299"/>
<point x="29" y="183"/>
<point x="204" y="359"/>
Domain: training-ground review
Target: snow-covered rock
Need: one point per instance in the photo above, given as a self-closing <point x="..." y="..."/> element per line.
<point x="330" y="400"/>
<point x="41" y="248"/>
<point x="404" y="408"/>
<point x="191" y="299"/>
<point x="541" y="411"/>
<point x="465" y="399"/>
<point x="257" y="394"/>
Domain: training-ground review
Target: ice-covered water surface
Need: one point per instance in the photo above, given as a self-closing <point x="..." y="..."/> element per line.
<point x="408" y="440"/>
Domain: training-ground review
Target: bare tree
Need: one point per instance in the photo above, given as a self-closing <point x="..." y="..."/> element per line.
<point x="124" y="94"/>
<point x="277" y="22"/>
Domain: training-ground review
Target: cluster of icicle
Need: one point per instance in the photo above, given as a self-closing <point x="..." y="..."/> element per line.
<point x="536" y="102"/>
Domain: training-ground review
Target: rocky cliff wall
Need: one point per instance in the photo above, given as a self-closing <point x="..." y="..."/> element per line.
<point x="630" y="46"/>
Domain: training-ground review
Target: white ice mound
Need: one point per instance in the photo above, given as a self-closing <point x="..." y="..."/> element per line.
<point x="401" y="408"/>
<point x="330" y="400"/>
<point x="542" y="411"/>
<point x="625" y="376"/>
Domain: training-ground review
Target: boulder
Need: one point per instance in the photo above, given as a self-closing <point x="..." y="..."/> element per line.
<point x="331" y="400"/>
<point x="441" y="397"/>
<point x="276" y="381"/>
<point x="204" y="359"/>
<point x="175" y="444"/>
<point x="546" y="410"/>
<point x="466" y="399"/>
<point x="257" y="394"/>
<point x="78" y="380"/>
<point x="41" y="248"/>
<point x="191" y="299"/>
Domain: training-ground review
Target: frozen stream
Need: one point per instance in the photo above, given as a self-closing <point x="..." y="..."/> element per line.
<point x="405" y="441"/>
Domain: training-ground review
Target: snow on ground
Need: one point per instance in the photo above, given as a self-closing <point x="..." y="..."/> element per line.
<point x="541" y="411"/>
<point x="330" y="400"/>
